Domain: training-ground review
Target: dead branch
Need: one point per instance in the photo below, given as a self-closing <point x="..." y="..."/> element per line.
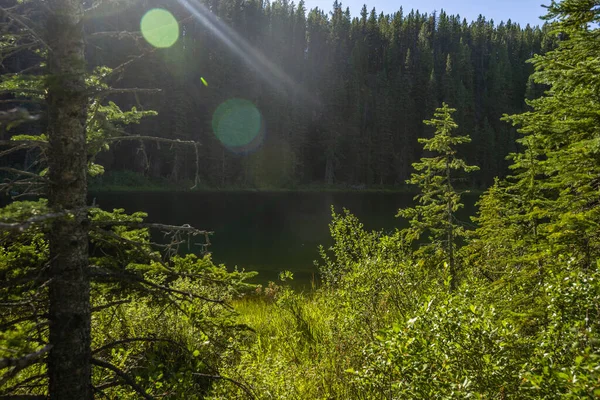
<point x="21" y="172"/>
<point x="29" y="29"/>
<point x="133" y="340"/>
<point x="23" y="90"/>
<point x="24" y="225"/>
<point x="121" y="374"/>
<point x="116" y="34"/>
<point x="24" y="361"/>
<point x="27" y="101"/>
<point x="109" y="305"/>
<point x="197" y="175"/>
<point x="107" y="92"/>
<point x="20" y="384"/>
<point x="142" y="247"/>
<point x="141" y="225"/>
<point x="150" y="138"/>
<point x="129" y="62"/>
<point x="99" y="272"/>
<point x="34" y="277"/>
<point x="236" y="383"/>
<point x="7" y="325"/>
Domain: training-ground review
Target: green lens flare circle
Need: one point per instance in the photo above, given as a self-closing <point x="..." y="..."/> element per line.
<point x="160" y="28"/>
<point x="237" y="123"/>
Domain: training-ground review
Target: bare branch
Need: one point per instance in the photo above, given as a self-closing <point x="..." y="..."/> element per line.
<point x="106" y="92"/>
<point x="121" y="374"/>
<point x="21" y="172"/>
<point x="26" y="143"/>
<point x="129" y="62"/>
<point x="23" y="90"/>
<point x="116" y="34"/>
<point x="151" y="138"/>
<point x="109" y="305"/>
<point x="28" y="101"/>
<point x="21" y="384"/>
<point x="236" y="383"/>
<point x="7" y="325"/>
<point x="29" y="29"/>
<point x="100" y="272"/>
<point x="142" y="225"/>
<point x="24" y="225"/>
<point x="133" y="340"/>
<point x="24" y="361"/>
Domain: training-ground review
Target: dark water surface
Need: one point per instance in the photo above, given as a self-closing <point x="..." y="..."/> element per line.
<point x="266" y="232"/>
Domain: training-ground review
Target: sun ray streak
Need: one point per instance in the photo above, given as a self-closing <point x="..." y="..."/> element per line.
<point x="266" y="69"/>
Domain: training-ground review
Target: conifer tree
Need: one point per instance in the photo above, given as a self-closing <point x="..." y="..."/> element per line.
<point x="438" y="200"/>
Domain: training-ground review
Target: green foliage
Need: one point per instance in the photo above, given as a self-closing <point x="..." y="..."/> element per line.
<point x="438" y="201"/>
<point x="556" y="174"/>
<point x="165" y="321"/>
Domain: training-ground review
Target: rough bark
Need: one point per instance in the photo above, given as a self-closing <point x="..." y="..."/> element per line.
<point x="69" y="363"/>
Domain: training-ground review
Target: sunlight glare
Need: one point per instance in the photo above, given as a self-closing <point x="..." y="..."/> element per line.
<point x="270" y="73"/>
<point x="160" y="28"/>
<point x="237" y="123"/>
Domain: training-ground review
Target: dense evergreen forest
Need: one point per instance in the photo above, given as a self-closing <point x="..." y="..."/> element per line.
<point x="342" y="98"/>
<point x="506" y="305"/>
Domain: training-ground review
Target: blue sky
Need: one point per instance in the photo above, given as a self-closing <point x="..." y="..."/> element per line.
<point x="521" y="11"/>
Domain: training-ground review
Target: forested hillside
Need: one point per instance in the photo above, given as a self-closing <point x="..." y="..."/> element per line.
<point x="341" y="97"/>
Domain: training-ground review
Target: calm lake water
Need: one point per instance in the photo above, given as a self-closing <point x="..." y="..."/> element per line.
<point x="266" y="232"/>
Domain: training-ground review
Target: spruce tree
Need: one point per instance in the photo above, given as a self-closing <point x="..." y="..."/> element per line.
<point x="438" y="200"/>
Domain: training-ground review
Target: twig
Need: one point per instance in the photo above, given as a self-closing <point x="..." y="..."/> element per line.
<point x="121" y="374"/>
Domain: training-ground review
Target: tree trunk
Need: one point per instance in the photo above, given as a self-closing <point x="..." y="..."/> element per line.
<point x="450" y="232"/>
<point x="69" y="367"/>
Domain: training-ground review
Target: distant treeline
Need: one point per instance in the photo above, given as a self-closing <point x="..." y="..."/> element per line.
<point x="342" y="98"/>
